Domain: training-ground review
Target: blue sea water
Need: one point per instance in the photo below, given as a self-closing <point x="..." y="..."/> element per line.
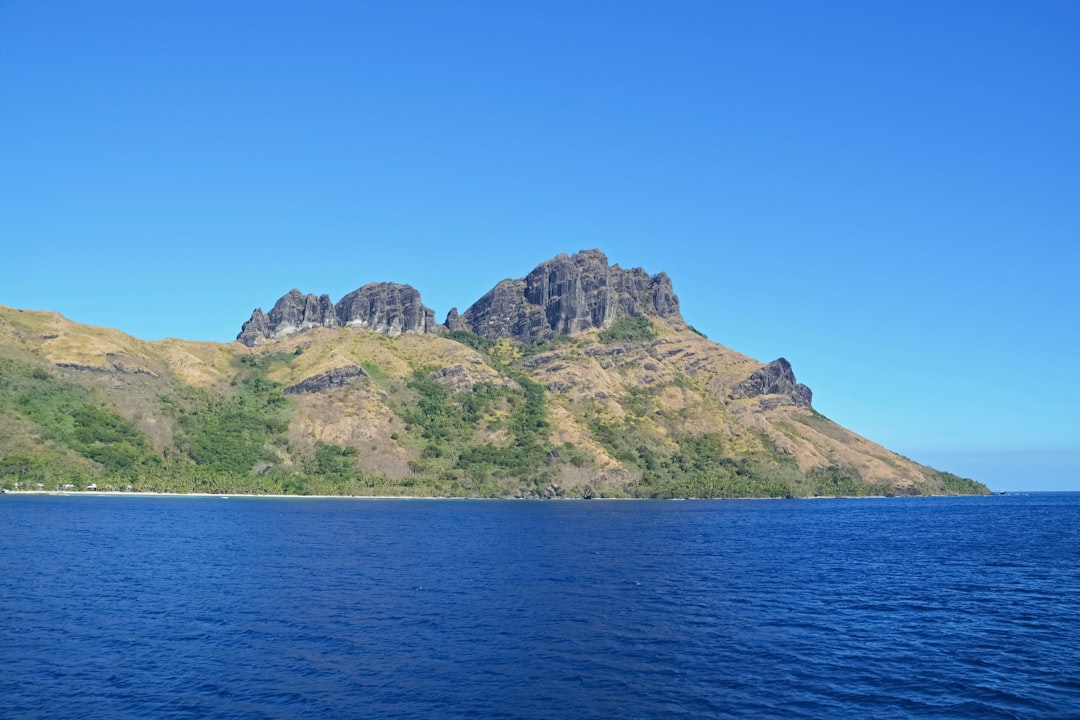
<point x="180" y="607"/>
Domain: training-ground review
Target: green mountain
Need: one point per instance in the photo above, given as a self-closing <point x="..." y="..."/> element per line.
<point x="580" y="380"/>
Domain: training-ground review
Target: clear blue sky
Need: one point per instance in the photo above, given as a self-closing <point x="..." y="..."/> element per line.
<point x="885" y="193"/>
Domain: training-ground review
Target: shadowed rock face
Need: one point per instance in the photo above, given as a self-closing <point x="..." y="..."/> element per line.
<point x="338" y="377"/>
<point x="387" y="308"/>
<point x="256" y="329"/>
<point x="565" y="295"/>
<point x="776" y="378"/>
<point x="294" y="312"/>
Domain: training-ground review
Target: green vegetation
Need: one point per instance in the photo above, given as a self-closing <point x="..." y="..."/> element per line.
<point x="838" y="481"/>
<point x="629" y="328"/>
<point x="958" y="485"/>
<point x="237" y="431"/>
<point x="676" y="464"/>
<point x="449" y="422"/>
<point x="476" y="342"/>
<point x="555" y="342"/>
<point x="234" y="434"/>
<point x="232" y="444"/>
<point x="333" y="461"/>
<point x="490" y="348"/>
<point x="73" y="422"/>
<point x="698" y="466"/>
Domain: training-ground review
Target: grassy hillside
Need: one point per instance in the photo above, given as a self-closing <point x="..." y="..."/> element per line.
<point x="640" y="409"/>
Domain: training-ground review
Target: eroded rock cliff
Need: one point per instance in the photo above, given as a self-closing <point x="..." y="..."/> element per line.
<point x="565" y="295"/>
<point x="386" y="308"/>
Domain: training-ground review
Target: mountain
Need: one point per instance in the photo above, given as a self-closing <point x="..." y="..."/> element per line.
<point x="581" y="379"/>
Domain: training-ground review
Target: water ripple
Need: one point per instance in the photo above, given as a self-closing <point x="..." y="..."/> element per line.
<point x="193" y="608"/>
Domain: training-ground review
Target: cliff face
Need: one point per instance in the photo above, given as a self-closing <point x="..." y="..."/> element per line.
<point x="292" y="313"/>
<point x="386" y="308"/>
<point x="567" y="295"/>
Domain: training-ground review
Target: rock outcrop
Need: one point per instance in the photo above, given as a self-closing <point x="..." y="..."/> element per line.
<point x="454" y="378"/>
<point x="256" y="329"/>
<point x="387" y="308"/>
<point x="566" y="295"/>
<point x="335" y="378"/>
<point x="294" y="312"/>
<point x="454" y="321"/>
<point x="774" y="379"/>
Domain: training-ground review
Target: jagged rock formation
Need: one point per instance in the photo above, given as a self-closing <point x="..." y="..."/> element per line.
<point x="454" y="321"/>
<point x="774" y="379"/>
<point x="566" y="295"/>
<point x="387" y="308"/>
<point x="292" y="313"/>
<point x="256" y="329"/>
<point x="335" y="378"/>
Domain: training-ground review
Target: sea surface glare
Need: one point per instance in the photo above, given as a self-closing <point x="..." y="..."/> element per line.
<point x="183" y="607"/>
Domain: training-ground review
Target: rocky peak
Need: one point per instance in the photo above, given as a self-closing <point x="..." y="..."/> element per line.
<point x="566" y="295"/>
<point x="387" y="308"/>
<point x="775" y="378"/>
<point x="296" y="312"/>
<point x="256" y="329"/>
<point x="454" y="321"/>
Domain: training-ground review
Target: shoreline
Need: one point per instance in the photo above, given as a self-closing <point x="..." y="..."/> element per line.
<point x="283" y="496"/>
<point x="226" y="496"/>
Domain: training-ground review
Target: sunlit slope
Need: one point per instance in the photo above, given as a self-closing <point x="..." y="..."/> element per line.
<point x="342" y="410"/>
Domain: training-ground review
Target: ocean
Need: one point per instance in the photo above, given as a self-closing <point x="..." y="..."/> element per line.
<point x="210" y="607"/>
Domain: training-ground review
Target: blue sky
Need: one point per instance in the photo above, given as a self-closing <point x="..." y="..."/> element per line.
<point x="887" y="194"/>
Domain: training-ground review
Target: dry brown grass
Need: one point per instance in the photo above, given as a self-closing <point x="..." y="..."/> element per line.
<point x="681" y="379"/>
